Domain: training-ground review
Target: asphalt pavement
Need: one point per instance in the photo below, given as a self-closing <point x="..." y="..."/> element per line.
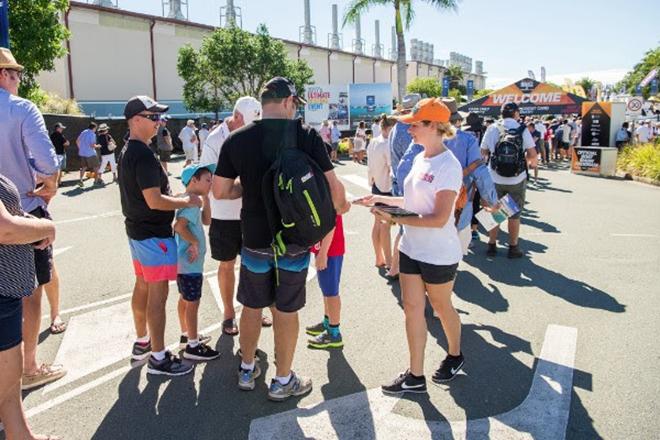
<point x="560" y="343"/>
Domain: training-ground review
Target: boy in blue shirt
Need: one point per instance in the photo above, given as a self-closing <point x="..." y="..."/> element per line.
<point x="191" y="249"/>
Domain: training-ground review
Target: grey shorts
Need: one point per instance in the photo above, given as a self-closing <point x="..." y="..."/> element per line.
<point x="90" y="163"/>
<point x="517" y="193"/>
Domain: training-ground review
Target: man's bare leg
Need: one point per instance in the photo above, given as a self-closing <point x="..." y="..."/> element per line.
<point x="285" y="327"/>
<point x="139" y="306"/>
<point x="250" y="328"/>
<point x="156" y="314"/>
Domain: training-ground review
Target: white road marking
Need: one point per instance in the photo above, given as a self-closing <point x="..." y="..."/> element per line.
<point x="542" y="415"/>
<point x="88" y="217"/>
<point x="106" y="301"/>
<point x="81" y="353"/>
<point x="634" y="235"/>
<point x="357" y="180"/>
<point x="60" y="251"/>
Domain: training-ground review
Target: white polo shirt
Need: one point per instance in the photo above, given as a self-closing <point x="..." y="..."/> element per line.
<point x="220" y="209"/>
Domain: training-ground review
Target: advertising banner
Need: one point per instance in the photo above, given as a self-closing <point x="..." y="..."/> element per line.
<point x="596" y="121"/>
<point x="368" y="101"/>
<point x="647" y="79"/>
<point x="469" y="89"/>
<point x="654" y="86"/>
<point x="533" y="98"/>
<point x="4" y="23"/>
<point x="327" y="102"/>
<point x="445" y="86"/>
<point x="586" y="159"/>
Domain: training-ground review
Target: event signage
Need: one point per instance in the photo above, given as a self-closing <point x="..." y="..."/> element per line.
<point x="4" y="23"/>
<point x="634" y="105"/>
<point x="647" y="79"/>
<point x="586" y="159"/>
<point x="368" y="101"/>
<point x="596" y="122"/>
<point x="445" y="86"/>
<point x="470" y="89"/>
<point x="327" y="102"/>
<point x="533" y="98"/>
<point x="654" y="86"/>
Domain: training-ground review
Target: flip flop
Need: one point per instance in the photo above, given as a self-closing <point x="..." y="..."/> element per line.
<point x="266" y="321"/>
<point x="229" y="327"/>
<point x="56" y="327"/>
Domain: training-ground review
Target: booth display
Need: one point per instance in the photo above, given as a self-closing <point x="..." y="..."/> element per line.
<point x="533" y="98"/>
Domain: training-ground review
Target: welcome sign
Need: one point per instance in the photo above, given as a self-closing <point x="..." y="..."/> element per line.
<point x="533" y="98"/>
<point x="327" y="102"/>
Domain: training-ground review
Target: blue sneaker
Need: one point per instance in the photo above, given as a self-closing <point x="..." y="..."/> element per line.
<point x="297" y="386"/>
<point x="246" y="378"/>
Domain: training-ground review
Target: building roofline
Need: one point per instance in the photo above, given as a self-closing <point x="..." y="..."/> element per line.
<point x="149" y="17"/>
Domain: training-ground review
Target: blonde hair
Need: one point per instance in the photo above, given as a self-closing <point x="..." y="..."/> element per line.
<point x="444" y="129"/>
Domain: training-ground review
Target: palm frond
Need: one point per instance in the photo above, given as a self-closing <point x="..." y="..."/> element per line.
<point x="356" y="7"/>
<point x="444" y="4"/>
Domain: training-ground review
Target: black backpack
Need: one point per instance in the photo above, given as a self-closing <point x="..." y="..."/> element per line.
<point x="508" y="159"/>
<point x="297" y="195"/>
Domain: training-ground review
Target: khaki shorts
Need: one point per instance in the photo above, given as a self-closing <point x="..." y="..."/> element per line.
<point x="517" y="193"/>
<point x="90" y="163"/>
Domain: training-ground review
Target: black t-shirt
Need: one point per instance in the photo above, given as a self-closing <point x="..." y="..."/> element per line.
<point x="103" y="139"/>
<point x="248" y="153"/>
<point x="58" y="141"/>
<point x="139" y="169"/>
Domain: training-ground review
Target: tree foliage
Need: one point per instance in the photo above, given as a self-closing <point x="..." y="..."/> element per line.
<point x="430" y="87"/>
<point x="36" y="37"/>
<point x="632" y="79"/>
<point x="232" y="63"/>
<point x="457" y="95"/>
<point x="587" y="84"/>
<point x="455" y="74"/>
<point x="404" y="13"/>
<point x="482" y="92"/>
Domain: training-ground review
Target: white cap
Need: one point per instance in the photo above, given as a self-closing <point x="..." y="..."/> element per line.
<point x="190" y="122"/>
<point x="249" y="107"/>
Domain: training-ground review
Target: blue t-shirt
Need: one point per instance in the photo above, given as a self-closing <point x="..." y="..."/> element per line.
<point x="194" y="216"/>
<point x="86" y="140"/>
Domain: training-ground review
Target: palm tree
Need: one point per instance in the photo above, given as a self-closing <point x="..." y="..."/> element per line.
<point x="455" y="74"/>
<point x="403" y="15"/>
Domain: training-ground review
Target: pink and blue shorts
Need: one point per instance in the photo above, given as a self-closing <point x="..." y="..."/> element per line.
<point x="154" y="259"/>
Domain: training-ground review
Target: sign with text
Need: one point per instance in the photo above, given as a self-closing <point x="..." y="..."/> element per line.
<point x="327" y="102"/>
<point x="532" y="97"/>
<point x="469" y="89"/>
<point x="586" y="159"/>
<point x="596" y="122"/>
<point x="445" y="86"/>
<point x="368" y="101"/>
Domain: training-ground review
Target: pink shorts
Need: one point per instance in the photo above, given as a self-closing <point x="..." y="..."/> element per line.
<point x="154" y="259"/>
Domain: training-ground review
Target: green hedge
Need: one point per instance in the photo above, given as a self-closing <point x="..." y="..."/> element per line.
<point x="642" y="160"/>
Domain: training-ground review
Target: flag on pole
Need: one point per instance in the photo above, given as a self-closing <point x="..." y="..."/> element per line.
<point x="4" y="23"/>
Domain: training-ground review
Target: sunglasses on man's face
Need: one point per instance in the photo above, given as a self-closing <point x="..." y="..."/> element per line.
<point x="153" y="117"/>
<point x="18" y="73"/>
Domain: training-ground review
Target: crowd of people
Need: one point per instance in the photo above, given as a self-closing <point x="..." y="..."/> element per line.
<point x="430" y="168"/>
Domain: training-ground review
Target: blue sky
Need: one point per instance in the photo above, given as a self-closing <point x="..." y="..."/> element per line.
<point x="572" y="38"/>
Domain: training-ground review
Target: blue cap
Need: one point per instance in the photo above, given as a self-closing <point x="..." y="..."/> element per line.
<point x="189" y="171"/>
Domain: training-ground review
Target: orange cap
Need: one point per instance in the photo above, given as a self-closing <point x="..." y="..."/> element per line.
<point x="429" y="109"/>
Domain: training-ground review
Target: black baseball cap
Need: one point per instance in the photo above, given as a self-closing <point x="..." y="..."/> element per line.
<point x="279" y="88"/>
<point x="509" y="108"/>
<point x="141" y="103"/>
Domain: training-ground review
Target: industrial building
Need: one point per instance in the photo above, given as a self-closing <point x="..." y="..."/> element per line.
<point x="114" y="54"/>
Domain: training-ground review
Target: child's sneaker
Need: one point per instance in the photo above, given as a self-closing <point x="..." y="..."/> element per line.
<point x="316" y="329"/>
<point x="141" y="351"/>
<point x="203" y="339"/>
<point x="326" y="340"/>
<point x="246" y="378"/>
<point x="170" y="366"/>
<point x="201" y="352"/>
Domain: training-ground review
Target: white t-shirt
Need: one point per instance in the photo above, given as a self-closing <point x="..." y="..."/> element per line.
<point x="540" y="127"/>
<point x="643" y="133"/>
<point x="566" y="133"/>
<point x="490" y="140"/>
<point x="202" y="135"/>
<point x="428" y="176"/>
<point x="220" y="209"/>
<point x="375" y="130"/>
<point x="379" y="168"/>
<point x="185" y="135"/>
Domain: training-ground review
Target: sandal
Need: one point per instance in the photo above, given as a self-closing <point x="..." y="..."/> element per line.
<point x="266" y="321"/>
<point x="57" y="326"/>
<point x="229" y="327"/>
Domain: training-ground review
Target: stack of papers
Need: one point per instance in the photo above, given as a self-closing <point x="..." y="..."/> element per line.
<point x="489" y="220"/>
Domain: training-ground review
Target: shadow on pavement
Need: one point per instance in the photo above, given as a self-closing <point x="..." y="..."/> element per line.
<point x="469" y="288"/>
<point x="525" y="273"/>
<point x="530" y="217"/>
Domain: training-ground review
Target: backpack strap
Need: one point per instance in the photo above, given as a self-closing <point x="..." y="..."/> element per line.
<point x="473" y="166"/>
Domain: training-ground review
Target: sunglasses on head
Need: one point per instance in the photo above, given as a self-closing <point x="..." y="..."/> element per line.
<point x="154" y="117"/>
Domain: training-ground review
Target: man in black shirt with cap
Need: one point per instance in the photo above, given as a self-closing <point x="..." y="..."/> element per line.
<point x="148" y="207"/>
<point x="266" y="281"/>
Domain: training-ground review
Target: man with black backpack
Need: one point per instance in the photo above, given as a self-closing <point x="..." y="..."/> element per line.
<point x="510" y="147"/>
<point x="291" y="196"/>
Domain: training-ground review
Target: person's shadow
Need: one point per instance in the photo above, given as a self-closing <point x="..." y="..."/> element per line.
<point x="525" y="273"/>
<point x="470" y="289"/>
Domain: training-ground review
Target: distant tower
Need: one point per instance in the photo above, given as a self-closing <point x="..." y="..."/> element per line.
<point x="175" y="9"/>
<point x="230" y="15"/>
<point x="358" y="43"/>
<point x="307" y="32"/>
<point x="105" y="3"/>
<point x="378" y="48"/>
<point x="334" y="39"/>
<point x="393" y="51"/>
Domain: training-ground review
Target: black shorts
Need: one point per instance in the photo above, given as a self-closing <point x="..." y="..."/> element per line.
<point x="431" y="273"/>
<point x="264" y="282"/>
<point x="43" y="259"/>
<point x="565" y="145"/>
<point x="164" y="156"/>
<point x="11" y="322"/>
<point x="225" y="239"/>
<point x="190" y="285"/>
